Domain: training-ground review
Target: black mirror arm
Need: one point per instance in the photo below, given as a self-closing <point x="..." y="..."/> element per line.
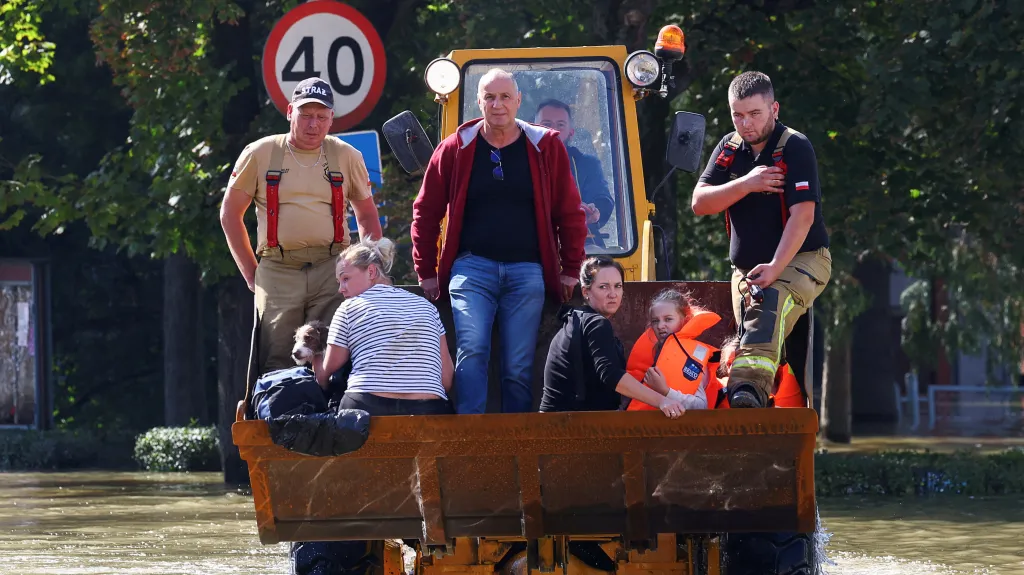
<point x="664" y="181"/>
<point x="410" y="139"/>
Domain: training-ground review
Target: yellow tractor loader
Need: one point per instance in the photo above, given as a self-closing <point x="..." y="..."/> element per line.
<point x="716" y="492"/>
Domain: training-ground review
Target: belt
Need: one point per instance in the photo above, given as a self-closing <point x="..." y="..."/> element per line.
<point x="301" y="256"/>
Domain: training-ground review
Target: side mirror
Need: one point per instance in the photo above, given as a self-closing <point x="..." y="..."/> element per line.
<point x="408" y="141"/>
<point x="686" y="142"/>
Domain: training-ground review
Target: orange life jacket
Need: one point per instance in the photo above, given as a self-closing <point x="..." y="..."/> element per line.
<point x="788" y="392"/>
<point x="683" y="360"/>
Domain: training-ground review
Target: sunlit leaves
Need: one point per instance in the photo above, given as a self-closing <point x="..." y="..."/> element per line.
<point x="22" y="46"/>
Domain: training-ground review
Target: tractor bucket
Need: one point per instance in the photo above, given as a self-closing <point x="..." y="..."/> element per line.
<point x="530" y="475"/>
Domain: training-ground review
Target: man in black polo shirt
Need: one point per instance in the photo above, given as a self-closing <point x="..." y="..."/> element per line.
<point x="764" y="176"/>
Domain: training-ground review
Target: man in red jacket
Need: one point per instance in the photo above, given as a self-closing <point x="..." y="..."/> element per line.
<point x="515" y="229"/>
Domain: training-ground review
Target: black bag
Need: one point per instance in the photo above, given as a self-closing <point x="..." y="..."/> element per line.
<point x="287" y="391"/>
<point x="321" y="434"/>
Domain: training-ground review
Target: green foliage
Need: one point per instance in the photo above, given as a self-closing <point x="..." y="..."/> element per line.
<point x="178" y="449"/>
<point x="23" y="47"/>
<point x="902" y="473"/>
<point x="50" y="450"/>
<point x="914" y="114"/>
<point x="967" y="303"/>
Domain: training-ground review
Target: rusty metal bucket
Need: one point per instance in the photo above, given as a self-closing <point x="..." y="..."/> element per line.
<point x="634" y="474"/>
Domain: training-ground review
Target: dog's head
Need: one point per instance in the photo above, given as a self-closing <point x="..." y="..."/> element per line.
<point x="310" y="340"/>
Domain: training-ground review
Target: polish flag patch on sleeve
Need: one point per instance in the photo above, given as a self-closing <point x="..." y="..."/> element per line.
<point x="802" y="186"/>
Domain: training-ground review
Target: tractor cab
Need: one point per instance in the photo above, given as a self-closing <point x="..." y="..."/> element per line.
<point x="600" y="86"/>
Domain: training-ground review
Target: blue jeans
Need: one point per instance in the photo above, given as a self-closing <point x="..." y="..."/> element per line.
<point x="481" y="288"/>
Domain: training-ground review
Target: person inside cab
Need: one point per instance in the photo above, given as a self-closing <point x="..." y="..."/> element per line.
<point x="597" y="198"/>
<point x="586" y="364"/>
<point x="668" y="358"/>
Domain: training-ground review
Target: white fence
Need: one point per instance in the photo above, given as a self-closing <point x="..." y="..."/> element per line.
<point x="1000" y="409"/>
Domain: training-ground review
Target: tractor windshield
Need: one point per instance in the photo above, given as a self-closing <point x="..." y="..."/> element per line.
<point x="586" y="94"/>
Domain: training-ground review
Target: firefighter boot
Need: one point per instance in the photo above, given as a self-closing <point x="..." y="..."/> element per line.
<point x="745" y="394"/>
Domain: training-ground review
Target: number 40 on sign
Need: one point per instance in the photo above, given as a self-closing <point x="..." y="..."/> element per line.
<point x="332" y="41"/>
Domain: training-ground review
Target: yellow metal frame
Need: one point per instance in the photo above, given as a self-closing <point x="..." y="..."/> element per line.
<point x="483" y="556"/>
<point x="639" y="265"/>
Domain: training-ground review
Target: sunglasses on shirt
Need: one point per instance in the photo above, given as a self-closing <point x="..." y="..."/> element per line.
<point x="496" y="158"/>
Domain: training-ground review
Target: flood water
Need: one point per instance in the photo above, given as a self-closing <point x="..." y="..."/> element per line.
<point x="92" y="523"/>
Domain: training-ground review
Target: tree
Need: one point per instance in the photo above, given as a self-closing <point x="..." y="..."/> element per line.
<point x="913" y="112"/>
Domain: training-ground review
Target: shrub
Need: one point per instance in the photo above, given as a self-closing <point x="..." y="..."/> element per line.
<point x="47" y="450"/>
<point x="919" y="473"/>
<point x="178" y="449"/>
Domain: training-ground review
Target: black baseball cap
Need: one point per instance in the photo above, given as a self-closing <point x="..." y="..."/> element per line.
<point x="313" y="90"/>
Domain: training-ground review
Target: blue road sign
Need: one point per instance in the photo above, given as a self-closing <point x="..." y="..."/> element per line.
<point x="368" y="144"/>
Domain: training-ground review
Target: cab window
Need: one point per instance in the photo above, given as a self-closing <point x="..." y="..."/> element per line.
<point x="582" y="100"/>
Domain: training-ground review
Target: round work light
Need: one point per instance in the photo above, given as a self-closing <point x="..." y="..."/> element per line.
<point x="442" y="76"/>
<point x="642" y="68"/>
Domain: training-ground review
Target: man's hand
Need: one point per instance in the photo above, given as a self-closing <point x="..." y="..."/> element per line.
<point x="765" y="179"/>
<point x="764" y="275"/>
<point x="430" y="289"/>
<point x="671" y="408"/>
<point x="593" y="214"/>
<point x="568" y="285"/>
<point x="250" y="280"/>
<point x="656" y="381"/>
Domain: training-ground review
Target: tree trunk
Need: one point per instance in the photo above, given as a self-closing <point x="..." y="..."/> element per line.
<point x="184" y="381"/>
<point x="234" y="328"/>
<point x="836" y="419"/>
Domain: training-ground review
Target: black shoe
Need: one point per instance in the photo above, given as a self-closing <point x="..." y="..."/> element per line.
<point x="745" y="395"/>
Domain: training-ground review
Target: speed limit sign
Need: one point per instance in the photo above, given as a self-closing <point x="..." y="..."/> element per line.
<point x="334" y="42"/>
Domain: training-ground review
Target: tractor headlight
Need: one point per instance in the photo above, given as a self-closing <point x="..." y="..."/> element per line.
<point x="642" y="68"/>
<point x="442" y="76"/>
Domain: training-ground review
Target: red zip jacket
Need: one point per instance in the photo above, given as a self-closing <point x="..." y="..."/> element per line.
<point x="561" y="228"/>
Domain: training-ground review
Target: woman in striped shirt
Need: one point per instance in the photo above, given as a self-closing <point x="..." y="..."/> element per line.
<point x="400" y="359"/>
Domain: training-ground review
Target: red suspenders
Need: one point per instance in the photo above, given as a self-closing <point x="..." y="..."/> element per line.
<point x="728" y="154"/>
<point x="273" y="177"/>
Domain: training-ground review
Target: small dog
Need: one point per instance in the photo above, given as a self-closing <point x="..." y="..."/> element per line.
<point x="310" y="340"/>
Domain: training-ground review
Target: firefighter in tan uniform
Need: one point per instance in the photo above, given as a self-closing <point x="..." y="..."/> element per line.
<point x="300" y="182"/>
<point x="764" y="176"/>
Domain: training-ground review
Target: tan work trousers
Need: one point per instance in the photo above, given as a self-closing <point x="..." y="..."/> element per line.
<point x="767" y="324"/>
<point x="292" y="288"/>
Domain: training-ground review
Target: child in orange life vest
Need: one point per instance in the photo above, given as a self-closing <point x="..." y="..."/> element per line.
<point x="787" y="392"/>
<point x="668" y="358"/>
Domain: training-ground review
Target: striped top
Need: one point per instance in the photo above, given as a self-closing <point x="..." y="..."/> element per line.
<point x="393" y="337"/>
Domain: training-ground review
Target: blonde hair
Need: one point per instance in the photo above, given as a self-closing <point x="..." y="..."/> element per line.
<point x="682" y="301"/>
<point x="379" y="253"/>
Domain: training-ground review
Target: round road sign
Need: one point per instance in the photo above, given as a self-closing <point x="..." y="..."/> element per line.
<point x="335" y="42"/>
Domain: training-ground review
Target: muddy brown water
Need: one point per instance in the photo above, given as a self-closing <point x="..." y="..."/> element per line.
<point x="90" y="523"/>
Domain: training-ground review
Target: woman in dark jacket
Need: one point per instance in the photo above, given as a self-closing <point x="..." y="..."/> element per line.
<point x="586" y="365"/>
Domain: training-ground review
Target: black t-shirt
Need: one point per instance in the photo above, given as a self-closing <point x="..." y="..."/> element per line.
<point x="602" y="363"/>
<point x="757" y="218"/>
<point x="499" y="222"/>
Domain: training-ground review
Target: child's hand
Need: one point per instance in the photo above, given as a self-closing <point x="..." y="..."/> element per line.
<point x="656" y="381"/>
